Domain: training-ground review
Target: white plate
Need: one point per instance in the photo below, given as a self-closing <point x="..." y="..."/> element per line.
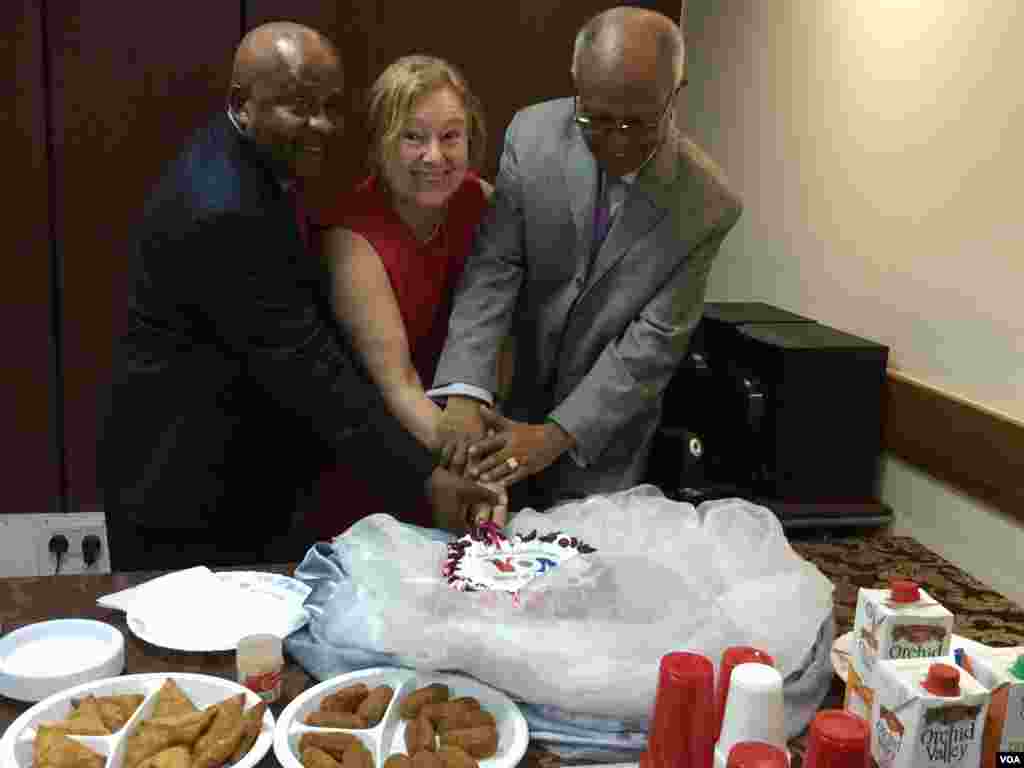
<point x="203" y="690"/>
<point x="388" y="737"/>
<point x="188" y="612"/>
<point x="843" y="645"/>
<point x="41" y="659"/>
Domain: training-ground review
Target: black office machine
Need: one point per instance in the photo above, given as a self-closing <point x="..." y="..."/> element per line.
<point x="777" y="408"/>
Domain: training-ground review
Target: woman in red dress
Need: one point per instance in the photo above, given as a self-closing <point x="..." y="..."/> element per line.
<point x="396" y="246"/>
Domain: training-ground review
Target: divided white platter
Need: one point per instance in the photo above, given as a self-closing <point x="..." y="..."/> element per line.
<point x="388" y="737"/>
<point x="203" y="690"/>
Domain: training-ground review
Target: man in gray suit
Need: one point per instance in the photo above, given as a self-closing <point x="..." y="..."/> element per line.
<point x="595" y="254"/>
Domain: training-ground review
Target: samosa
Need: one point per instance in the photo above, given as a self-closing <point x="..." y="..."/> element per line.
<point x="215" y="746"/>
<point x="53" y="749"/>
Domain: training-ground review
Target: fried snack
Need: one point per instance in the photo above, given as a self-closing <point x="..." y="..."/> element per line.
<point x="398" y="761"/>
<point x="116" y="711"/>
<point x="454" y="757"/>
<point x="253" y="724"/>
<point x="467" y="701"/>
<point x="314" y="757"/>
<point x="333" y="744"/>
<point x="53" y="749"/>
<point x="171" y="701"/>
<point x="175" y="757"/>
<point x="323" y="719"/>
<point x="154" y="736"/>
<point x="411" y="704"/>
<point x="426" y="759"/>
<point x="436" y="711"/>
<point x="214" y="747"/>
<point x="465" y="718"/>
<point x="84" y="720"/>
<point x="345" y="699"/>
<point x="419" y="734"/>
<point x="479" y="742"/>
<point x="357" y="756"/>
<point x="376" y="704"/>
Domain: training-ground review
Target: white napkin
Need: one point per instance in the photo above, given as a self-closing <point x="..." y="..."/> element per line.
<point x="197" y="610"/>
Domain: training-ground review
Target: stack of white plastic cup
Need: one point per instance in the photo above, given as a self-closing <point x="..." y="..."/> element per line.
<point x="753" y="710"/>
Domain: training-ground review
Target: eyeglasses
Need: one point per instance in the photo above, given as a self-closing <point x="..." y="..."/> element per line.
<point x="629" y="128"/>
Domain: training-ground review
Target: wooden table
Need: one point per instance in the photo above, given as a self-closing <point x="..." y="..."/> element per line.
<point x="850" y="562"/>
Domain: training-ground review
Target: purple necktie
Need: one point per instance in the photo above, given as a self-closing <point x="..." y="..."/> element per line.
<point x="602" y="214"/>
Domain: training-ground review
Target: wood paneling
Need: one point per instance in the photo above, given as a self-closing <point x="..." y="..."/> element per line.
<point x="31" y="479"/>
<point x="130" y="82"/>
<point x="972" y="448"/>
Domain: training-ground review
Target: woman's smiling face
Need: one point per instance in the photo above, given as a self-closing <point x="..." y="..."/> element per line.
<point x="432" y="156"/>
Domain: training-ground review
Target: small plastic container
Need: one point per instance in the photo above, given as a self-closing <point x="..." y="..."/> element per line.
<point x="260" y="662"/>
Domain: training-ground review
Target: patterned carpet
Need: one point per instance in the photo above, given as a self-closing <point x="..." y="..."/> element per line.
<point x="872" y="561"/>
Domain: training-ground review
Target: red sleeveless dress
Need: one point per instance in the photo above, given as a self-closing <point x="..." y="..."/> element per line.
<point x="423" y="277"/>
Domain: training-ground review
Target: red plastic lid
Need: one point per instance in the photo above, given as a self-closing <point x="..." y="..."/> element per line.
<point x="904" y="591"/>
<point x="942" y="680"/>
<point x="756" y="754"/>
<point x="838" y="739"/>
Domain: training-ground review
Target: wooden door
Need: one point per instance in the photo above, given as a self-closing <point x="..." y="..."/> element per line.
<point x="27" y="388"/>
<point x="129" y="83"/>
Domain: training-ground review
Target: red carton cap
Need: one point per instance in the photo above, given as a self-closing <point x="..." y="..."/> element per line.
<point x="904" y="591"/>
<point x="838" y="739"/>
<point x="757" y="754"/>
<point x="942" y="680"/>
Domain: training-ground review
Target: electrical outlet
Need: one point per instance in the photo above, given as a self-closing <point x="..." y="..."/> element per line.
<point x="75" y="527"/>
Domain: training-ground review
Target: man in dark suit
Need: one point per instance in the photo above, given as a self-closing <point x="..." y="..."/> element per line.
<point x="232" y="379"/>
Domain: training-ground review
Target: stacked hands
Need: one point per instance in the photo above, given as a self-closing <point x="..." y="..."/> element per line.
<point x="476" y="443"/>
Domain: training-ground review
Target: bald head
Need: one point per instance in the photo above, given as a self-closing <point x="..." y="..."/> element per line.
<point x="286" y="94"/>
<point x="277" y="49"/>
<point x="630" y="47"/>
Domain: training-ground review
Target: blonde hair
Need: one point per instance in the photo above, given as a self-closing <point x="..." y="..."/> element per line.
<point x="395" y="92"/>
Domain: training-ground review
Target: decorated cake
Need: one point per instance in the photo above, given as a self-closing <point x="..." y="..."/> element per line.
<point x="486" y="559"/>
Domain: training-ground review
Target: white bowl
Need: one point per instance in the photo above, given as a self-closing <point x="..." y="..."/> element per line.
<point x="202" y="690"/>
<point x="42" y="659"/>
<point x="388" y="737"/>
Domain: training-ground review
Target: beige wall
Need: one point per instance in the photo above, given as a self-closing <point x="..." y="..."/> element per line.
<point x="878" y="145"/>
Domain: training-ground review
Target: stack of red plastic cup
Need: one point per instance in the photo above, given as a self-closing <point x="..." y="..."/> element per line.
<point x="757" y="754"/>
<point x="733" y="657"/>
<point x="682" y="733"/>
<point x="838" y="739"/>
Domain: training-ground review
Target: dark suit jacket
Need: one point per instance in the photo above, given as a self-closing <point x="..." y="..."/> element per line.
<point x="233" y="379"/>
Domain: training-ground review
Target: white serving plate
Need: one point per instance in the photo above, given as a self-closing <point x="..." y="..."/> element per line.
<point x="388" y="737"/>
<point x="203" y="690"/>
<point x="843" y="647"/>
<point x="41" y="659"/>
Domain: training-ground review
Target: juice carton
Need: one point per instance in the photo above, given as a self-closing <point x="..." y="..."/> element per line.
<point x="1002" y="672"/>
<point x="903" y="622"/>
<point x="927" y="713"/>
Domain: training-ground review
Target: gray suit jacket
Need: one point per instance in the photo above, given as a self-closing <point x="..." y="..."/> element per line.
<point x="596" y="343"/>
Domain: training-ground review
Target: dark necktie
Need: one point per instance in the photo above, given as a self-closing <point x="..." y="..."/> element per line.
<point x="602" y="214"/>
